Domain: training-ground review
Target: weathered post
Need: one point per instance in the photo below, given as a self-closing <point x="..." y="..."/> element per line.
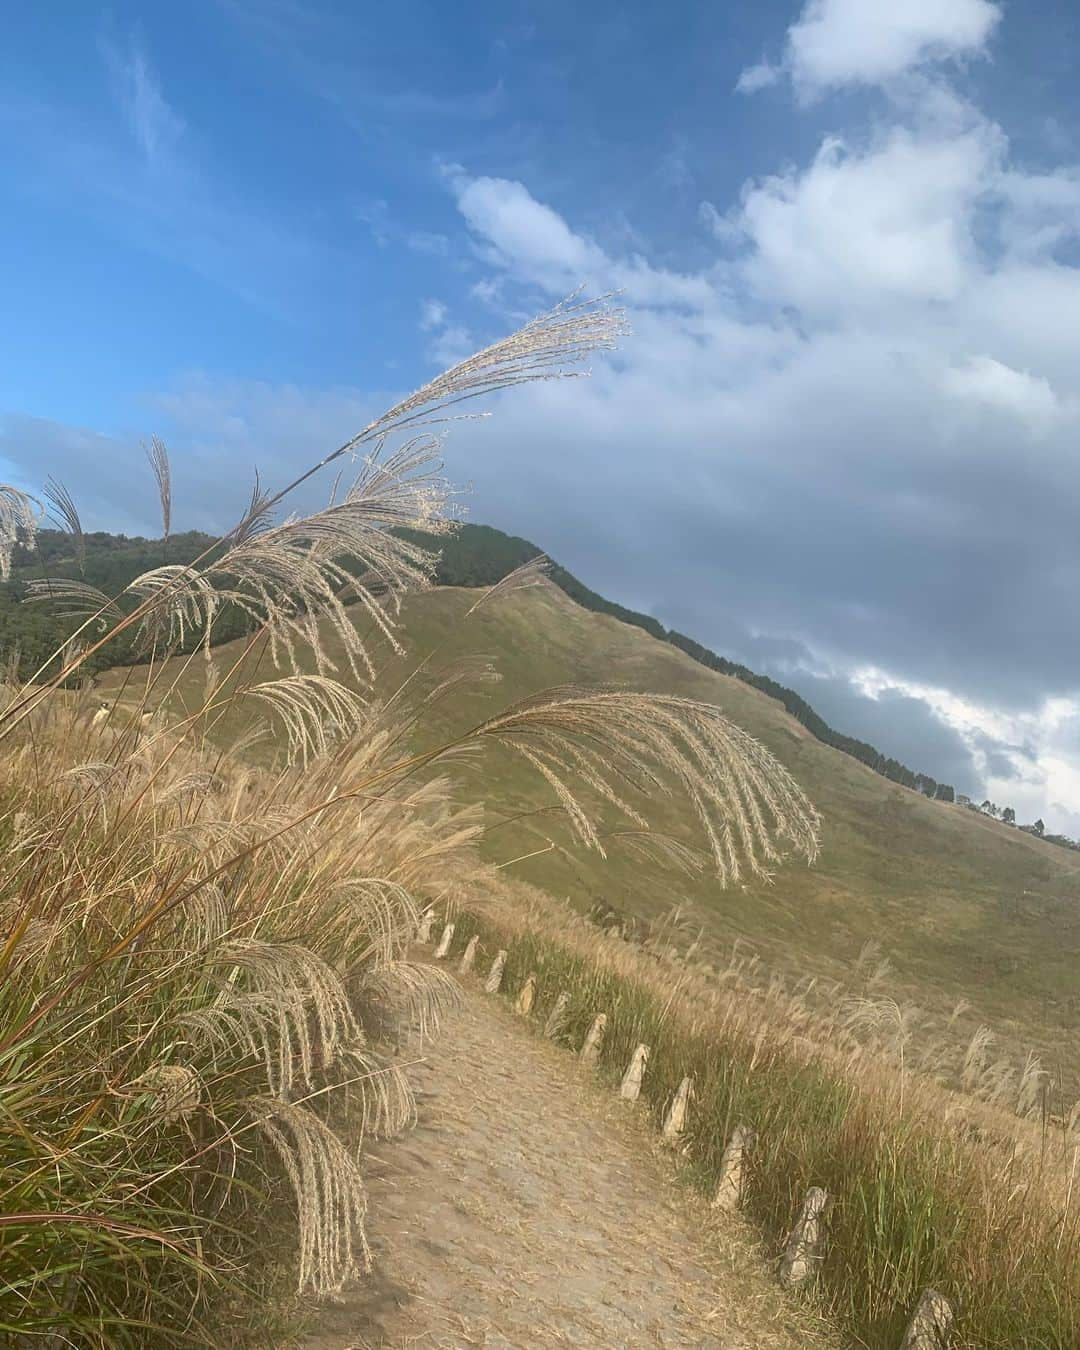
<point x="729" y="1186"/>
<point x="494" y="980"/>
<point x="557" y="1017"/>
<point x="526" y="996"/>
<point x="675" y="1120"/>
<point x="423" y="931"/>
<point x="630" y="1088"/>
<point x="931" y="1323"/>
<point x="803" y="1253"/>
<point x="444" y="942"/>
<point x="594" y="1039"/>
<point x="469" y="955"/>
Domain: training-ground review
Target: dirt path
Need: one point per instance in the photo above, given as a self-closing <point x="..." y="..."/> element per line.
<point x="529" y="1208"/>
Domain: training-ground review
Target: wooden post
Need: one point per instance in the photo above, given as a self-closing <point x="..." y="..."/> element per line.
<point x="423" y="931"/>
<point x="594" y="1039"/>
<point x="931" y="1323"/>
<point x="675" y="1120"/>
<point x="444" y="942"/>
<point x="630" y="1088"/>
<point x="803" y="1254"/>
<point x="557" y="1017"/>
<point x="469" y="955"/>
<point x="729" y="1187"/>
<point x="526" y="995"/>
<point x="494" y="980"/>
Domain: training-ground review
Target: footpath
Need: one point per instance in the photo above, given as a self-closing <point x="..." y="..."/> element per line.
<point x="531" y="1208"/>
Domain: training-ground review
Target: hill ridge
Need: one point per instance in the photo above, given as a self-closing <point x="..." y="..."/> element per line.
<point x="475" y="555"/>
<point x="461" y="564"/>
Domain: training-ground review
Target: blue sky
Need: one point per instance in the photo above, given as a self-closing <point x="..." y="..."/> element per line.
<point x="841" y="444"/>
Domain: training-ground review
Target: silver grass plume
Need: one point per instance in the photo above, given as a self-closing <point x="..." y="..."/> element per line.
<point x="64" y="512"/>
<point x="546" y="348"/>
<point x="418" y="995"/>
<point x="367" y="921"/>
<point x="72" y="599"/>
<point x="286" y="576"/>
<point x="176" y="1089"/>
<point x="529" y="574"/>
<point x="180" y="600"/>
<point x="18" y="524"/>
<point x="216" y="837"/>
<point x="198" y="783"/>
<point x="745" y="802"/>
<point x="330" y="1198"/>
<point x="386" y="1103"/>
<point x="314" y="710"/>
<point x="283" y="1004"/>
<point x="158" y="458"/>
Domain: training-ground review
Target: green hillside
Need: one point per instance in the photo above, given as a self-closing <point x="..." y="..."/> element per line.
<point x="963" y="907"/>
<point x="476" y="555"/>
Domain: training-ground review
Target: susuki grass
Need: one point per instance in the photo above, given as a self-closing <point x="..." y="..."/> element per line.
<point x="925" y="1192"/>
<point x="202" y="962"/>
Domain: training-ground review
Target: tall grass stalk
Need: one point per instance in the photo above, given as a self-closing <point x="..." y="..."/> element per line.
<point x="203" y="961"/>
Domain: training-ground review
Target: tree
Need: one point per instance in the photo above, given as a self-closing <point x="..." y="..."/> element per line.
<point x="945" y="793"/>
<point x="1009" y="816"/>
<point x="989" y="809"/>
<point x="1039" y="828"/>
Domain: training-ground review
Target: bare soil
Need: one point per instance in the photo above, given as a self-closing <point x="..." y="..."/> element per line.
<point x="531" y="1208"/>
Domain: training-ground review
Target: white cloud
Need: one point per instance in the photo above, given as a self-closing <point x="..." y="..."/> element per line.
<point x="892" y="222"/>
<point x="428" y="241"/>
<point x="432" y="315"/>
<point x="488" y="290"/>
<point x="452" y="344"/>
<point x="1016" y="755"/>
<point x="530" y="240"/>
<point x="998" y="388"/>
<point x="524" y="234"/>
<point x="1043" y="210"/>
<point x="154" y="124"/>
<point x="757" y="77"/>
<point x="841" y="42"/>
<point x="449" y="342"/>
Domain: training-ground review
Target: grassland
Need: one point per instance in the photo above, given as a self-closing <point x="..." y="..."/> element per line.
<point x="963" y="908"/>
<point x="918" y="1197"/>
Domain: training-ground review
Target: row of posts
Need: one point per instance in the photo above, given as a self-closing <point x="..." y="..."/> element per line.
<point x="932" y="1321"/>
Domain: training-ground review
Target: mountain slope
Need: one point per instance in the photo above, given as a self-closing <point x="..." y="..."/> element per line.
<point x="961" y="905"/>
<point x="476" y="555"/>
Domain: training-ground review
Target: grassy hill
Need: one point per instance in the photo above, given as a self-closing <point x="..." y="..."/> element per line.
<point x="963" y="907"/>
<point x="475" y="555"/>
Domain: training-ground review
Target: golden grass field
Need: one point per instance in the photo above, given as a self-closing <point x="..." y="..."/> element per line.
<point x="979" y="923"/>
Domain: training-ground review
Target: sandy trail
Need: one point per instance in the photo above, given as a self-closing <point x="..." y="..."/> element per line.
<point x="531" y="1208"/>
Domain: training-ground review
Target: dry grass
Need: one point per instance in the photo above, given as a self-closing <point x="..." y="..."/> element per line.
<point x="482" y="1217"/>
<point x="929" y="1187"/>
<point x="200" y="960"/>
